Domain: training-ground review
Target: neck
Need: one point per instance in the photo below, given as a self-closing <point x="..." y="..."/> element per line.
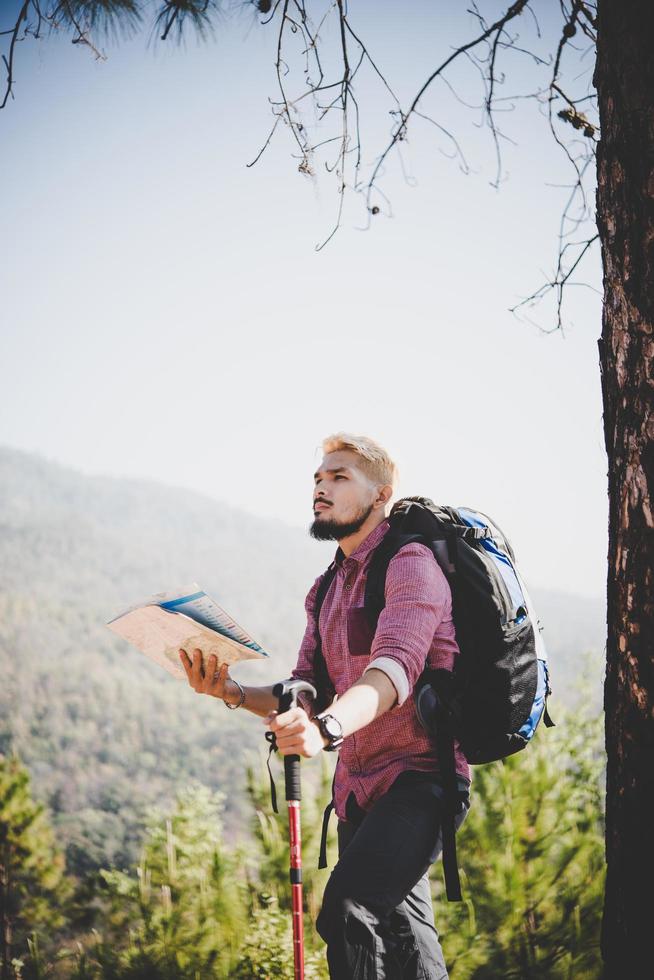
<point x="352" y="542"/>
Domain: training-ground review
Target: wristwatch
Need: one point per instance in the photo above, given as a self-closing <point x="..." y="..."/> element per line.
<point x="330" y="728"/>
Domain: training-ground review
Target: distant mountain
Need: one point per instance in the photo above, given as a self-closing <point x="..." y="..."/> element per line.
<point x="574" y="630"/>
<point x="106" y="733"/>
<point x="107" y="542"/>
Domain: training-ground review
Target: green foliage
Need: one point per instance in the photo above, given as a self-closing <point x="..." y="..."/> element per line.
<point x="270" y="890"/>
<point x="267" y="952"/>
<point x="270" y="829"/>
<point x="183" y="908"/>
<point x="33" y="885"/>
<point x="92" y="729"/>
<point x="532" y="853"/>
<point x="108" y="17"/>
<point x="192" y="911"/>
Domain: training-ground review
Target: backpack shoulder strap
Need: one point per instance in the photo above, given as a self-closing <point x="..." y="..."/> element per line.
<point x="322" y="680"/>
<point x="325" y="581"/>
<point x="375" y="598"/>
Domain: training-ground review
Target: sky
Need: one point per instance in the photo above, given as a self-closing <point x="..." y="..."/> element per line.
<point x="165" y="313"/>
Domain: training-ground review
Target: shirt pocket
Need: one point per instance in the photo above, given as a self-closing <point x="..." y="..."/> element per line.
<point x="360" y="633"/>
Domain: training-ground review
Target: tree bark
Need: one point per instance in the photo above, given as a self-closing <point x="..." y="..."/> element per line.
<point x="5" y="922"/>
<point x="624" y="77"/>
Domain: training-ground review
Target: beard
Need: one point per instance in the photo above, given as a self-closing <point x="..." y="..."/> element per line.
<point x="333" y="530"/>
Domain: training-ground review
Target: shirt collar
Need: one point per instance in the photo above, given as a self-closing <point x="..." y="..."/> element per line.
<point x="367" y="545"/>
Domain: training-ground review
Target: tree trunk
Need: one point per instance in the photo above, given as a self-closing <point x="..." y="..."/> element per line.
<point x="624" y="77"/>
<point x="5" y="923"/>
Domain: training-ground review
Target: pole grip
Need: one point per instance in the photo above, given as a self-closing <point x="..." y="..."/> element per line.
<point x="286" y="693"/>
<point x="292" y="777"/>
<point x="288" y="699"/>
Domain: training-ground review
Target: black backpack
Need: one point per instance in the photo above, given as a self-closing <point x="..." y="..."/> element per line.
<point x="494" y="699"/>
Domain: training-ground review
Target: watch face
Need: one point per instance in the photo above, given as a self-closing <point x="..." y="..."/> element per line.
<point x="333" y="728"/>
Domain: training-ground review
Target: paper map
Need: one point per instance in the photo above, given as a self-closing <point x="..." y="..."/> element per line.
<point x="186" y="619"/>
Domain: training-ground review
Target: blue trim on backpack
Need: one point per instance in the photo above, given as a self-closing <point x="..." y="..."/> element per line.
<point x="501" y="559"/>
<point x="538" y="706"/>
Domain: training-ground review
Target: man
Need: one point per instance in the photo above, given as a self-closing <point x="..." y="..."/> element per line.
<point x="376" y="917"/>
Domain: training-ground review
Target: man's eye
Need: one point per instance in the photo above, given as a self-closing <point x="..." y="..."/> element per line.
<point x="340" y="477"/>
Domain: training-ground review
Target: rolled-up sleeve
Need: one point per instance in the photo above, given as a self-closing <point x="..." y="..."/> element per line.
<point x="396" y="675"/>
<point x="418" y="599"/>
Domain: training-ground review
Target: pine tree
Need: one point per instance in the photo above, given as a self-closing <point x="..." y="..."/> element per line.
<point x="531" y="852"/>
<point x="183" y="910"/>
<point x="193" y="911"/>
<point x="267" y="950"/>
<point x="33" y="885"/>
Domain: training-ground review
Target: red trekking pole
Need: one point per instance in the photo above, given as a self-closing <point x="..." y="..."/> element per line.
<point x="286" y="693"/>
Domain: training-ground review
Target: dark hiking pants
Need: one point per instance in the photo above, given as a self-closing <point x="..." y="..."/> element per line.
<point x="377" y="917"/>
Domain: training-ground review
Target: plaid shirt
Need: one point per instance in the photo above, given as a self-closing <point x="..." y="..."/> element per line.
<point x="414" y="626"/>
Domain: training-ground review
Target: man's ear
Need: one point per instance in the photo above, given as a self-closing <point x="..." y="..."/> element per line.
<point x="384" y="494"/>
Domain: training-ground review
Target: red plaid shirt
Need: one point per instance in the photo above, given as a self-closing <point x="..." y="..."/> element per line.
<point x="414" y="626"/>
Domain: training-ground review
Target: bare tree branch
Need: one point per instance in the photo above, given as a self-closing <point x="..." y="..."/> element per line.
<point x="559" y="283"/>
<point x="317" y="43"/>
<point x="401" y="129"/>
<point x="14" y="32"/>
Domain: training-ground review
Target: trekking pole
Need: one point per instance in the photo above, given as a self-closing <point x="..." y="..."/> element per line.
<point x="286" y="693"/>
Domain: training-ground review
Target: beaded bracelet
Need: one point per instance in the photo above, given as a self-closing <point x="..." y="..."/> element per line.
<point x="233" y="707"/>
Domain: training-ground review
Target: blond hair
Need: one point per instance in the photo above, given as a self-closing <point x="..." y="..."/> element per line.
<point x="373" y="458"/>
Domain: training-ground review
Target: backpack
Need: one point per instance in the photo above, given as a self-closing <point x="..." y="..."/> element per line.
<point x="496" y="695"/>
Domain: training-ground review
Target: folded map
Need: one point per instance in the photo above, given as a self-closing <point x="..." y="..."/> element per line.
<point x="186" y="619"/>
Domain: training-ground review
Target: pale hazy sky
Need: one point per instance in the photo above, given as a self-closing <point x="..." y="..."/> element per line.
<point x="165" y="314"/>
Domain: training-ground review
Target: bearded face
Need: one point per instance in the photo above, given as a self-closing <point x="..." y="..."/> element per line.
<point x="328" y="527"/>
<point x="343" y="497"/>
